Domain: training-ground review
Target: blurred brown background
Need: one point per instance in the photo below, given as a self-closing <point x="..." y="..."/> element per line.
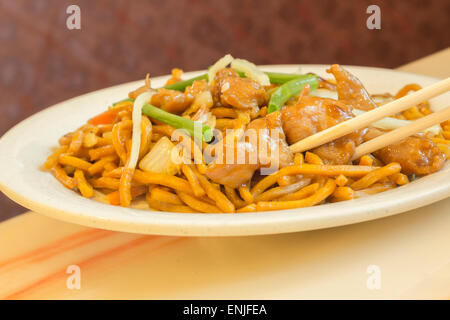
<point x="42" y="62"/>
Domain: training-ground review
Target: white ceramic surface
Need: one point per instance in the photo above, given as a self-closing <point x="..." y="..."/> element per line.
<point x="25" y="147"/>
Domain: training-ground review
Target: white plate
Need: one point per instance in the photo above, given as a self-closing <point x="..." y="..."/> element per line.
<point x="25" y="147"/>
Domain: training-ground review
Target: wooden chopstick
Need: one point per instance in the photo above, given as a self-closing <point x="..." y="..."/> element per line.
<point x="401" y="133"/>
<point x="367" y="118"/>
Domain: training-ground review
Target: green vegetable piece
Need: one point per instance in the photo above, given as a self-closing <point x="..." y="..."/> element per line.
<point x="181" y="85"/>
<point x="280" y="78"/>
<point x="178" y="122"/>
<point x="275" y="77"/>
<point x="291" y="89"/>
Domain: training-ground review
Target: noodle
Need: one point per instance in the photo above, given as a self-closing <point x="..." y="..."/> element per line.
<point x="376" y="175"/>
<point x="75" y="162"/>
<point x="76" y="143"/>
<point x="196" y="204"/>
<point x="193" y="180"/>
<point x="319" y="196"/>
<point x="162" y="179"/>
<point x="343" y="193"/>
<point x="85" y="188"/>
<point x="160" y="194"/>
<point x="221" y="200"/>
<point x="62" y="177"/>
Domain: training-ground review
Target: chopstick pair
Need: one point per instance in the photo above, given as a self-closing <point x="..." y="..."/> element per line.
<point x="374" y="115"/>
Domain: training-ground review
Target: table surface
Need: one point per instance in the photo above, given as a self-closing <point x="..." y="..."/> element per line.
<point x="408" y="255"/>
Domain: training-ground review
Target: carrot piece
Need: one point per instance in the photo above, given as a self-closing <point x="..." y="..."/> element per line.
<point x="106" y="117"/>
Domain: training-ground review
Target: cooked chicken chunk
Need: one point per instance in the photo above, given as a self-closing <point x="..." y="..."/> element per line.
<point x="263" y="145"/>
<point x="174" y="101"/>
<point x="339" y="151"/>
<point x="238" y="172"/>
<point x="416" y="155"/>
<point x="171" y="100"/>
<point x="350" y="90"/>
<point x="198" y="86"/>
<point x="232" y="90"/>
<point x="311" y="115"/>
<point x="272" y="147"/>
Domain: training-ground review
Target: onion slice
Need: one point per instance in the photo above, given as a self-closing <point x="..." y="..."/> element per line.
<point x="251" y="71"/>
<point x="140" y="101"/>
<point x="325" y="93"/>
<point x="390" y="123"/>
<point x="220" y="64"/>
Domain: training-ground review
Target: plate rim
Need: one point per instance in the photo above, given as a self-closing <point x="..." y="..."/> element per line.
<point x="263" y="223"/>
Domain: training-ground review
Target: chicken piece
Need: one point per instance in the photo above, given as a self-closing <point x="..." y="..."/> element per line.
<point x="198" y="86"/>
<point x="350" y="90"/>
<point x="325" y="84"/>
<point x="417" y="155"/>
<point x="171" y="100"/>
<point x="239" y="171"/>
<point x="221" y="75"/>
<point x="273" y="151"/>
<point x="135" y="93"/>
<point x="232" y="90"/>
<point x="263" y="145"/>
<point x="339" y="151"/>
<point x="174" y="101"/>
<point x="313" y="114"/>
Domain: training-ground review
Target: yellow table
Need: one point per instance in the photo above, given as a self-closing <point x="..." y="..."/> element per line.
<point x="403" y="256"/>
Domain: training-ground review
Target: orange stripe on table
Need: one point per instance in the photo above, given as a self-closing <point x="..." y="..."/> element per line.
<point x="61" y="245"/>
<point x="83" y="264"/>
